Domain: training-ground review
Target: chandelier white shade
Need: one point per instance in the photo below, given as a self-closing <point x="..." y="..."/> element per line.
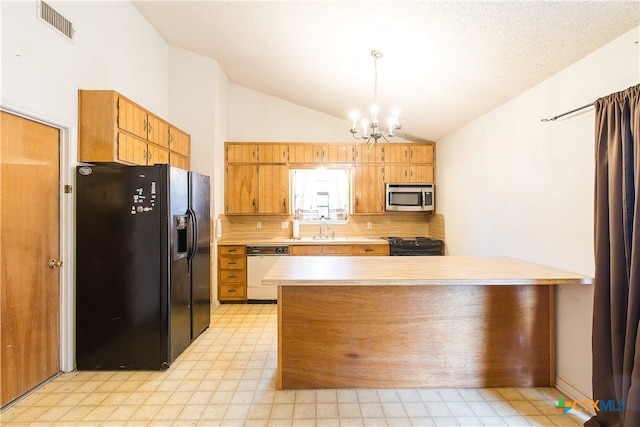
<point x="370" y="129"/>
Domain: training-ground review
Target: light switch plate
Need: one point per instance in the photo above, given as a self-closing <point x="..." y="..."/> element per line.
<point x="284" y="224"/>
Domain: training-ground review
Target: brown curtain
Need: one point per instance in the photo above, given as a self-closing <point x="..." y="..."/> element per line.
<point x="616" y="310"/>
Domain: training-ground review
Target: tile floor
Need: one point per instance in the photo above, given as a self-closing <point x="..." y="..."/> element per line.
<point x="227" y="378"/>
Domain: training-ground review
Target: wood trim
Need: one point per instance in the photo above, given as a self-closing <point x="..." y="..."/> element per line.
<point x="280" y="341"/>
<point x="552" y="336"/>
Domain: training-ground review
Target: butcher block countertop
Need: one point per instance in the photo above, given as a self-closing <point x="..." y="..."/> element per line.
<point x="427" y="270"/>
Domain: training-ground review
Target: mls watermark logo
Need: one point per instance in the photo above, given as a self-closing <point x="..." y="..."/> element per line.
<point x="586" y="405"/>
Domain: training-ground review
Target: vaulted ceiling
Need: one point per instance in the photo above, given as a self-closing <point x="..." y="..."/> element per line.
<point x="445" y="62"/>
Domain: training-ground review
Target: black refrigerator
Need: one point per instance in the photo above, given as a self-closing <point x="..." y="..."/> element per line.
<point x="142" y="264"/>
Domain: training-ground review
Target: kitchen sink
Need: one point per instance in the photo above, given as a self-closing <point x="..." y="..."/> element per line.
<point x="321" y="239"/>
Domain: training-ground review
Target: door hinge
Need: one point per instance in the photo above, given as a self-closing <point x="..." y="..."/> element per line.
<point x="68" y="189"/>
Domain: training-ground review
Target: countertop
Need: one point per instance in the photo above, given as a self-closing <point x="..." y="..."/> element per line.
<point x="427" y="270"/>
<point x="303" y="241"/>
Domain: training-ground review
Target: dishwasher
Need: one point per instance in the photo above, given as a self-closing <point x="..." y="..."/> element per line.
<point x="260" y="258"/>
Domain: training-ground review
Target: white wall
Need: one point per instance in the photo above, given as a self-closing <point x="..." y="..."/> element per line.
<point x="198" y="103"/>
<point x="114" y="48"/>
<point x="509" y="184"/>
<point x="258" y="117"/>
<point x="198" y="99"/>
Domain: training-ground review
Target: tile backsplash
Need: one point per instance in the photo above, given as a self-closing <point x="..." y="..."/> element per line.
<point x="401" y="224"/>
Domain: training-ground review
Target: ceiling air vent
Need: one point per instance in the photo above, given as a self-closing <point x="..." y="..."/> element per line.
<point x="57" y="21"/>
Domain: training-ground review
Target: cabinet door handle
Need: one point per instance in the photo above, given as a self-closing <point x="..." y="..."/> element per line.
<point x="231" y="263"/>
<point x="233" y="277"/>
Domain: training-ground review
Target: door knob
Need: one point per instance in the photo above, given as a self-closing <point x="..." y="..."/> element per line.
<point x="55" y="263"/>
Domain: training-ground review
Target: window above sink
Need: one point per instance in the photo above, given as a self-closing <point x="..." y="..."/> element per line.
<point x="320" y="195"/>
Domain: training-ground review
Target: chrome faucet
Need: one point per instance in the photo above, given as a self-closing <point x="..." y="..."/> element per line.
<point x="333" y="233"/>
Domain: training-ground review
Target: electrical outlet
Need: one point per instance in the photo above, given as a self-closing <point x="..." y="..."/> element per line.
<point x="259" y="224"/>
<point x="284" y="224"/>
<point x="369" y="225"/>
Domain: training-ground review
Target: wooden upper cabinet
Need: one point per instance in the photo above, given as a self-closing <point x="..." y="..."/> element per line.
<point x="243" y="152"/>
<point x="368" y="190"/>
<point x="369" y="153"/>
<point x="273" y="153"/>
<point x="180" y="146"/>
<point x="338" y="153"/>
<point x="309" y="153"/>
<point x="273" y="189"/>
<point x="241" y="189"/>
<point x="112" y="128"/>
<point x="256" y="189"/>
<point x="421" y="154"/>
<point x="412" y="163"/>
<point x="179" y="141"/>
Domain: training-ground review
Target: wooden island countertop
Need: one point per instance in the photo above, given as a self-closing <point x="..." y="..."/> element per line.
<point x="388" y="322"/>
<point x="413" y="271"/>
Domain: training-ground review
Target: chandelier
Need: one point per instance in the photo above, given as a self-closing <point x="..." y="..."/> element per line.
<point x="372" y="130"/>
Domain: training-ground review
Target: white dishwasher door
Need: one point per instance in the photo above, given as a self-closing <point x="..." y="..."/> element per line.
<point x="257" y="267"/>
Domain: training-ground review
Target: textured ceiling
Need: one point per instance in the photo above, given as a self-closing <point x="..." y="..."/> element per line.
<point x="445" y="62"/>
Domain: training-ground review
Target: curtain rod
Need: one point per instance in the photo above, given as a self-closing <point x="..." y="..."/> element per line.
<point x="568" y="112"/>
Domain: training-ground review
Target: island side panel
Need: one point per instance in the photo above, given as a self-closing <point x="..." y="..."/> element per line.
<point x="414" y="336"/>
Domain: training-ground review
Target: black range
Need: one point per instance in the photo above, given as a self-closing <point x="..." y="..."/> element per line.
<point x="415" y="246"/>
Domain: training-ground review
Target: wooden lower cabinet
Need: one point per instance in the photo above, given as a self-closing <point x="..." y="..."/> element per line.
<point x="232" y="273"/>
<point x="319" y="250"/>
<point x="369" y="250"/>
<point x="338" y="250"/>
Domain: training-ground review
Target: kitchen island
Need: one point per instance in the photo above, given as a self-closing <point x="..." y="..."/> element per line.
<point x="386" y="322"/>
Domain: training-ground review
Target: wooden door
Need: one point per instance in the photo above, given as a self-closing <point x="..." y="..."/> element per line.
<point x="29" y="287"/>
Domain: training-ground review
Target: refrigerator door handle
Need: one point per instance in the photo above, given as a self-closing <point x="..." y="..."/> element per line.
<point x="194" y="234"/>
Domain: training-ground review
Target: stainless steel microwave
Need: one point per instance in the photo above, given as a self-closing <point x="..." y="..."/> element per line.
<point x="409" y="197"/>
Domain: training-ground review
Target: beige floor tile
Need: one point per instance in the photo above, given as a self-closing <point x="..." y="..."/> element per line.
<point x="367" y="395"/>
<point x="327" y="411"/>
<point x="282" y="411"/>
<point x="146" y="412"/>
<point x="349" y="410"/>
<point x="326" y="396"/>
<point x="375" y="422"/>
<point x="372" y="410"/>
<point x="227" y="377"/>
<point x="305" y="396"/>
<point x="259" y="411"/>
<point x="445" y="421"/>
<point x="304" y="410"/>
<point x="468" y="421"/>
<point x="525" y="407"/>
